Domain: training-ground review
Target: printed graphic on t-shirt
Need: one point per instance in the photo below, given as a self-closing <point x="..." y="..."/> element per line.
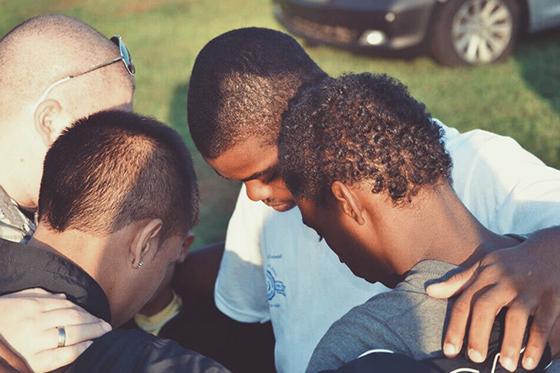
<point x="274" y="286"/>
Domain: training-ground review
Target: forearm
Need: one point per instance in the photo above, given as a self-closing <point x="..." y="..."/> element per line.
<point x="546" y="239"/>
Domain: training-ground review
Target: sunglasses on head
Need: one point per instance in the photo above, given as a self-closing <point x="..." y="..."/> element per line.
<point x="124" y="56"/>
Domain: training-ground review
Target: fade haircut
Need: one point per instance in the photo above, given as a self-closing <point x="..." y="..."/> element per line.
<point x="115" y="168"/>
<point x="240" y="85"/>
<point x="361" y="127"/>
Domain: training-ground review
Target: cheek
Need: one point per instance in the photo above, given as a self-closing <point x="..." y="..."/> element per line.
<point x="355" y="242"/>
<point x="280" y="191"/>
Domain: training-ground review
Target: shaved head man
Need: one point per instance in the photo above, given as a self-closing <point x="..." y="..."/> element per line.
<point x="54" y="70"/>
<point x="33" y="56"/>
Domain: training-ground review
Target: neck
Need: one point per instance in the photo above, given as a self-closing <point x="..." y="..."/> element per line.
<point x="14" y="169"/>
<point x="441" y="228"/>
<point x="83" y="249"/>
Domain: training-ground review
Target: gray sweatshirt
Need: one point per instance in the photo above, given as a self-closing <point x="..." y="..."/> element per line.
<point x="404" y="320"/>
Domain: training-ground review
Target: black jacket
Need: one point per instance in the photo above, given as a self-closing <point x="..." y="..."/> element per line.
<point x="23" y="267"/>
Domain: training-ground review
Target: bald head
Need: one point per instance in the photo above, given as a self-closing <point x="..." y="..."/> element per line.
<point x="47" y="48"/>
<point x="33" y="56"/>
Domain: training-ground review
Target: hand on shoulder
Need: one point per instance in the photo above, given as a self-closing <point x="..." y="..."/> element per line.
<point x="524" y="278"/>
<point x="30" y="322"/>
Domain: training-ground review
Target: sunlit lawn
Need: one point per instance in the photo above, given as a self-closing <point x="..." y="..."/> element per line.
<point x="519" y="98"/>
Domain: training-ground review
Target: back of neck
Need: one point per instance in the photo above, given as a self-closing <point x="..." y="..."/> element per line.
<point x="84" y="250"/>
<point x="445" y="230"/>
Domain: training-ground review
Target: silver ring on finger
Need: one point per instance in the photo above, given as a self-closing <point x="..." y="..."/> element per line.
<point x="61" y="336"/>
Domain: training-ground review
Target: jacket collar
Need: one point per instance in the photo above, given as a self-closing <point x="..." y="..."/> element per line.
<point x="23" y="267"/>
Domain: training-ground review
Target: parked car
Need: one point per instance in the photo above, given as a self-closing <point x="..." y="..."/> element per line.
<point x="455" y="32"/>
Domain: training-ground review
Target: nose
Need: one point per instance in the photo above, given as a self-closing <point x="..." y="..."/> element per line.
<point x="257" y="190"/>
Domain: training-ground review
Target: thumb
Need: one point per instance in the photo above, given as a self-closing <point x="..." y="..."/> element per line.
<point x="452" y="285"/>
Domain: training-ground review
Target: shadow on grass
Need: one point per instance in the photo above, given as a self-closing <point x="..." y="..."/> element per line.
<point x="217" y="196"/>
<point x="538" y="57"/>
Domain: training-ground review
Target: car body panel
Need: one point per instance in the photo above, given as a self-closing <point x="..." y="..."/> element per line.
<point x="343" y="22"/>
<point x="543" y="14"/>
<point x="405" y="23"/>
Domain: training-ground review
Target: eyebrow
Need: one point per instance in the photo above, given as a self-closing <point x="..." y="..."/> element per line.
<point x="262" y="173"/>
<point x="254" y="176"/>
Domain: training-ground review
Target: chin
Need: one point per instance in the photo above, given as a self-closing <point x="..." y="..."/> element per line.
<point x="366" y="275"/>
<point x="391" y="281"/>
<point x="388" y="280"/>
<point x="283" y="206"/>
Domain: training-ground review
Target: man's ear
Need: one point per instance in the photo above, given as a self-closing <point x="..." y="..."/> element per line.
<point x="348" y="201"/>
<point x="44" y="118"/>
<point x="146" y="241"/>
<point x="185" y="248"/>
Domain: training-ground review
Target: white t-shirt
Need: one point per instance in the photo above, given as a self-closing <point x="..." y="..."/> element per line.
<point x="274" y="267"/>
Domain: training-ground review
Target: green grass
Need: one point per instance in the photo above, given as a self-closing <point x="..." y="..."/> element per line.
<point x="519" y="98"/>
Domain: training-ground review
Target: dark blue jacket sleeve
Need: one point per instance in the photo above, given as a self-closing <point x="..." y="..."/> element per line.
<point x="137" y="351"/>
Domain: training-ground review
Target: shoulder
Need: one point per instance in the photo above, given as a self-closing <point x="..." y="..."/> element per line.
<point x="365" y="327"/>
<point x="479" y="145"/>
<point x="403" y="321"/>
<point x="134" y="350"/>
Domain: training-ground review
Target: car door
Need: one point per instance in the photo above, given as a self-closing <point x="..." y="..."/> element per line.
<point x="543" y="14"/>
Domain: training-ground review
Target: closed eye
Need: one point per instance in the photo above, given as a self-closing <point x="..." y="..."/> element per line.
<point x="270" y="175"/>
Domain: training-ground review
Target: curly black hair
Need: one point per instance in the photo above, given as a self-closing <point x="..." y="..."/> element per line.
<point x="241" y="84"/>
<point x="360" y="127"/>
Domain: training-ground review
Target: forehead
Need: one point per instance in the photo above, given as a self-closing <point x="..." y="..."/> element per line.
<point x="245" y="159"/>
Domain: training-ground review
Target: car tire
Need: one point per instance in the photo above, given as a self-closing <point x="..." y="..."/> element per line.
<point x="474" y="32"/>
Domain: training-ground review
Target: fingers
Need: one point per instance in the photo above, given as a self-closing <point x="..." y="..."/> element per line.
<point x="38" y="303"/>
<point x="50" y="360"/>
<point x="36" y="293"/>
<point x="11" y="361"/>
<point x="55" y="302"/>
<point x="66" y="316"/>
<point x="539" y="333"/>
<point x="32" y="291"/>
<point x="454" y="284"/>
<point x="76" y="334"/>
<point x="555" y="339"/>
<point x="455" y="333"/>
<point x="484" y="311"/>
<point x="460" y="312"/>
<point x="517" y="317"/>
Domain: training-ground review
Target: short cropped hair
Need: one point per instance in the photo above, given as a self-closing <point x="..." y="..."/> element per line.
<point x="46" y="48"/>
<point x="361" y="127"/>
<point x="114" y="168"/>
<point x="240" y="85"/>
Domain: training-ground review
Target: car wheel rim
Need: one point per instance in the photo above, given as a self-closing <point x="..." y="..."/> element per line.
<point x="481" y="30"/>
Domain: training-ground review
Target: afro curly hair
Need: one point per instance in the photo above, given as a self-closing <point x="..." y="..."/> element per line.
<point x="360" y="127"/>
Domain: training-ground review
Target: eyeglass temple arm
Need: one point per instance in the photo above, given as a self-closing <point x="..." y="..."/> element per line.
<point x="57" y="83"/>
<point x="116" y="59"/>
